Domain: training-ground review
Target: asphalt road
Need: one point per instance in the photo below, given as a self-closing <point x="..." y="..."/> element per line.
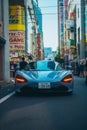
<point x="54" y="112"/>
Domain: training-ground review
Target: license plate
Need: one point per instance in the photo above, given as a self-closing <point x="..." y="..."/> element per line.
<point x="44" y="85"/>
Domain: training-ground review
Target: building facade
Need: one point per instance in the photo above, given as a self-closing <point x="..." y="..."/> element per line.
<point x="75" y="30"/>
<point x="4" y="41"/>
<point x="14" y="35"/>
<point x="37" y="32"/>
<point x="18" y="31"/>
<point x="61" y="27"/>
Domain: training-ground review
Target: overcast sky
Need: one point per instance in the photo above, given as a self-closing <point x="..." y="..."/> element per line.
<point x="50" y="27"/>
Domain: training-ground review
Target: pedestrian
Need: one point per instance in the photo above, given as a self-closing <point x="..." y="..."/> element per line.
<point x="15" y="65"/>
<point x="81" y="69"/>
<point x="12" y="70"/>
<point x="32" y="65"/>
<point x="78" y="69"/>
<point x="23" y="64"/>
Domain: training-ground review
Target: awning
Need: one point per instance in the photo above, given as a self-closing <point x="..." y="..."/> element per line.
<point x="2" y="40"/>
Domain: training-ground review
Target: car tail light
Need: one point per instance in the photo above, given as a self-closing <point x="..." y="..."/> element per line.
<point x="20" y="79"/>
<point x="67" y="79"/>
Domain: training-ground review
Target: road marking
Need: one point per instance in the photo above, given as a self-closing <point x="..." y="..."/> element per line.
<point x="6" y="97"/>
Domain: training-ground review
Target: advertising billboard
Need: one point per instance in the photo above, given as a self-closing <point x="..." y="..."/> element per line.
<point x="72" y="15"/>
<point x="16" y="37"/>
<point x="16" y="18"/>
<point x="15" y="47"/>
<point x="17" y="40"/>
<point x="38" y="47"/>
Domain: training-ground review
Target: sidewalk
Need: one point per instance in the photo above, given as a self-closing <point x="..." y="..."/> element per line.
<point x="6" y="88"/>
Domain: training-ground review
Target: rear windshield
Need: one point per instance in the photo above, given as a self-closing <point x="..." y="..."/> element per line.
<point x="45" y="65"/>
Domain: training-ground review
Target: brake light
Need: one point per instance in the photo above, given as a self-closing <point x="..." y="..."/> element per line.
<point x="67" y="79"/>
<point x="20" y="80"/>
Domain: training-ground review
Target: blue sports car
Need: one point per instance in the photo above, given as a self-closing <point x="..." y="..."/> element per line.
<point x="44" y="76"/>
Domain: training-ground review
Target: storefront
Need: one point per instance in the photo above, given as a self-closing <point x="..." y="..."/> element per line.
<point x="2" y="44"/>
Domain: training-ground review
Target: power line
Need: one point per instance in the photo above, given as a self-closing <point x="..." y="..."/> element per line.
<point x="82" y="12"/>
<point x="55" y="6"/>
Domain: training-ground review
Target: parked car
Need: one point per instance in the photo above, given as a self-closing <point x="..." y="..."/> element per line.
<point x="45" y="76"/>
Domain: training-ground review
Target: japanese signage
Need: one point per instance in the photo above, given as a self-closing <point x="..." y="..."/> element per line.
<point x="38" y="46"/>
<point x="16" y="37"/>
<point x="17" y="47"/>
<point x="16" y="15"/>
<point x="72" y="15"/>
<point x="16" y="18"/>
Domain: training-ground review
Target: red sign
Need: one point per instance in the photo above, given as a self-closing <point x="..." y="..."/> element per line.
<point x="72" y="15"/>
<point x="38" y="47"/>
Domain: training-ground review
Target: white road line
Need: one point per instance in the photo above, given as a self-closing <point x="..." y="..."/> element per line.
<point x="6" y="97"/>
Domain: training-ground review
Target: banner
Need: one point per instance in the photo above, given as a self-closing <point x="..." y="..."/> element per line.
<point x="16" y="37"/>
<point x="15" y="47"/>
<point x="38" y="47"/>
<point x="16" y="18"/>
<point x="72" y="15"/>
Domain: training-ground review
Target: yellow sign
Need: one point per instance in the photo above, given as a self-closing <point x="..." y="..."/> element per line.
<point x="16" y="18"/>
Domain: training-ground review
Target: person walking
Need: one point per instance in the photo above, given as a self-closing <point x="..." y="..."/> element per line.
<point x="81" y="69"/>
<point x="23" y="64"/>
<point x="78" y="69"/>
<point x="15" y="65"/>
